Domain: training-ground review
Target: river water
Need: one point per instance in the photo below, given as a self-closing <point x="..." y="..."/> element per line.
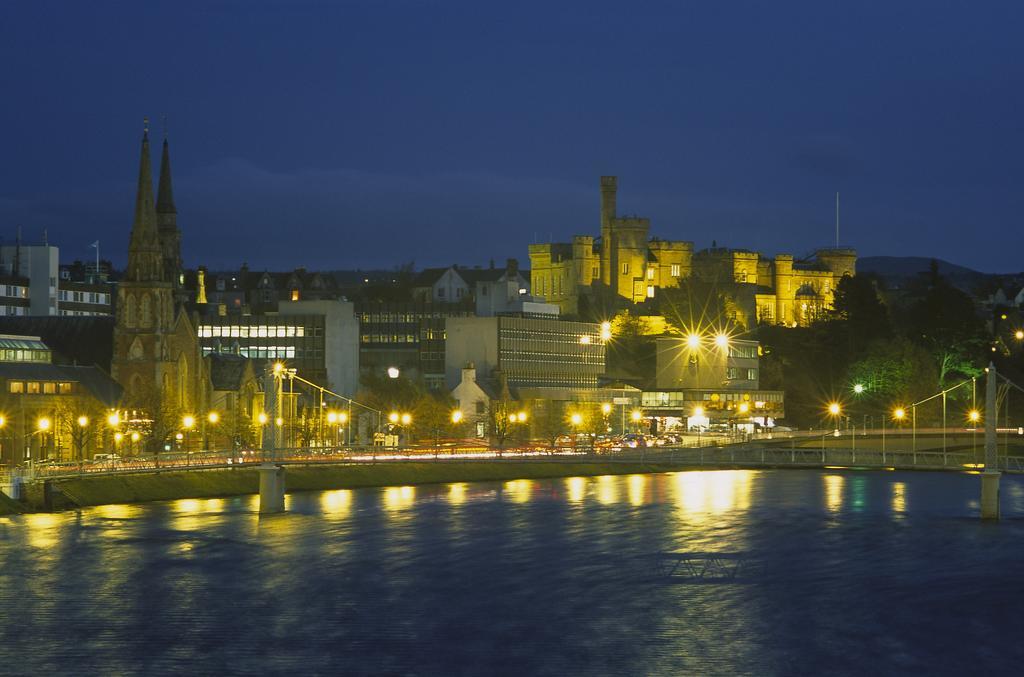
<point x="840" y="572"/>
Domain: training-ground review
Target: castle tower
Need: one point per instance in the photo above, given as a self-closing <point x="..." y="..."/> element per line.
<point x="609" y="187"/>
<point x="155" y="348"/>
<point x="167" y="224"/>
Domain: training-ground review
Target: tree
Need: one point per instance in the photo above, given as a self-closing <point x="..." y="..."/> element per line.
<point x="549" y="420"/>
<point x="432" y="416"/>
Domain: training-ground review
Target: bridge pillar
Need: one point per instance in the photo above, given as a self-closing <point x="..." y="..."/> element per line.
<point x="990" y="478"/>
<point x="990" y="494"/>
<point x="271" y="488"/>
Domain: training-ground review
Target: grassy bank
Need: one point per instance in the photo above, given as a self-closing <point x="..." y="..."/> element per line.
<point x="143" y="487"/>
<point x="8" y="506"/>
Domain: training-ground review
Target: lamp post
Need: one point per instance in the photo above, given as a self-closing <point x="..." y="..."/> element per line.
<point x="974" y="415"/>
<point x="834" y="410"/>
<point x="79" y="438"/>
<point x="698" y="413"/>
<point x="213" y="418"/>
<point x="636" y="416"/>
<point x="43" y="426"/>
<point x="187" y="422"/>
<point x="576" y="420"/>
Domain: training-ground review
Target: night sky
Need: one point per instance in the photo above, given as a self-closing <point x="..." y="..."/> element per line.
<point x="370" y="134"/>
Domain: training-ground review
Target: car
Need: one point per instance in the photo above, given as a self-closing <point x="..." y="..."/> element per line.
<point x="104" y="458"/>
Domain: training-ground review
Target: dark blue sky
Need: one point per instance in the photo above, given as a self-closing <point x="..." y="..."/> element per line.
<point x="366" y="134"/>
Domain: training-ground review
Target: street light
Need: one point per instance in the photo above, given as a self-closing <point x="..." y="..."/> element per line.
<point x="1019" y="334"/>
<point x="406" y="419"/>
<point x="393" y="372"/>
<point x="114" y="419"/>
<point x="859" y="388"/>
<point x="693" y="341"/>
<point x="457" y="416"/>
<point x="606" y="331"/>
<point x="393" y="417"/>
<point x="261" y="418"/>
<point x="722" y="341"/>
<point x="213" y="417"/>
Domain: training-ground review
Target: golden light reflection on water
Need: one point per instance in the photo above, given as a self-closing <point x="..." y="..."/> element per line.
<point x="457" y="493"/>
<point x="637" y="488"/>
<point x="577" y="489"/>
<point x="834" y="485"/>
<point x="699" y="494"/>
<point x="519" y="490"/>
<point x="42" y="529"/>
<point x="399" y="498"/>
<point x="899" y="497"/>
<point x="336" y="503"/>
<point x="118" y="511"/>
<point x="187" y="505"/>
<point x="608" y="489"/>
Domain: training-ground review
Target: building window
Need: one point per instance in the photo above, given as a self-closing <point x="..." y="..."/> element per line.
<point x="479" y="406"/>
<point x="650" y="291"/>
<point x="625" y="268"/>
<point x="16" y="386"/>
<point x="751" y="374"/>
<point x="675" y="270"/>
<point x="64" y="388"/>
<point x="650" y="273"/>
<point x="440" y="293"/>
<point x="33" y="387"/>
<point x="49" y="388"/>
<point x="295" y="294"/>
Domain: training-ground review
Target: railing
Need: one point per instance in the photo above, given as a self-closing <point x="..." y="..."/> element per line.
<point x="740" y="455"/>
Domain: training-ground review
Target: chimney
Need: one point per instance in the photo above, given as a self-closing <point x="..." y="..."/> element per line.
<point x="469" y="373"/>
<point x="512" y="268"/>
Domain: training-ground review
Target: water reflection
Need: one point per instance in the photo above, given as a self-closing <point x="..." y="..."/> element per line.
<point x="577" y="489"/>
<point x="899" y="497"/>
<point x="608" y="489"/>
<point x="336" y="503"/>
<point x="42" y="529"/>
<point x="702" y="493"/>
<point x="637" y="488"/>
<point x="834" y="485"/>
<point x="399" y="498"/>
<point x="457" y="493"/>
<point x="519" y="490"/>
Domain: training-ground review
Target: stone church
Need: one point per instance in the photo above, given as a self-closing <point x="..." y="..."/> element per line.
<point x="157" y="357"/>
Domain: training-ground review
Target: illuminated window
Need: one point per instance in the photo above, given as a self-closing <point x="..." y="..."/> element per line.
<point x="16" y="386"/>
<point x="33" y="387"/>
<point x="64" y="388"/>
<point x="49" y="388"/>
<point x="675" y="270"/>
<point x="650" y="273"/>
<point x="650" y="291"/>
<point x="625" y="268"/>
<point x="295" y="294"/>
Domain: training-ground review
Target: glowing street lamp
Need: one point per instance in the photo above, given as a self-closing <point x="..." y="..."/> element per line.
<point x="342" y="417"/>
<point x="693" y="341"/>
<point x="457" y="416"/>
<point x="834" y="409"/>
<point x="1019" y="334"/>
<point x="585" y="339"/>
<point x="393" y="372"/>
<point x="278" y="368"/>
<point x="974" y="415"/>
<point x="606" y="331"/>
<point x="722" y="341"/>
<point x="606" y="408"/>
<point x="43" y="424"/>
<point x="406" y="419"/>
<point x="859" y="388"/>
<point x="83" y="421"/>
<point x="114" y="419"/>
<point x="213" y="417"/>
<point x="261" y="418"/>
<point x="332" y="417"/>
<point x="188" y="422"/>
<point x="899" y="413"/>
<point x="744" y="407"/>
<point x="393" y="417"/>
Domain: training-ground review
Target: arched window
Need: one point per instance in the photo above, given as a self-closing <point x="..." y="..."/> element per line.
<point x="182" y="380"/>
<point x="135" y="389"/>
<point x="129" y="310"/>
<point x="146" y="311"/>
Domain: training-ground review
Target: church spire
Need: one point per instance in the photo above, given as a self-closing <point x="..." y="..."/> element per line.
<point x="165" y="194"/>
<point x="144" y="242"/>
<point x="167" y="218"/>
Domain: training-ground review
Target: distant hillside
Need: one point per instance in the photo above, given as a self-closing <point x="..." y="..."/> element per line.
<point x="896" y="270"/>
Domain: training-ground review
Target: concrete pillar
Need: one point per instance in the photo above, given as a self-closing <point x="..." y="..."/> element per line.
<point x="271" y="488"/>
<point x="990" y="478"/>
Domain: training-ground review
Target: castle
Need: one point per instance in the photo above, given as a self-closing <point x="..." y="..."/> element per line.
<point x="630" y="266"/>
